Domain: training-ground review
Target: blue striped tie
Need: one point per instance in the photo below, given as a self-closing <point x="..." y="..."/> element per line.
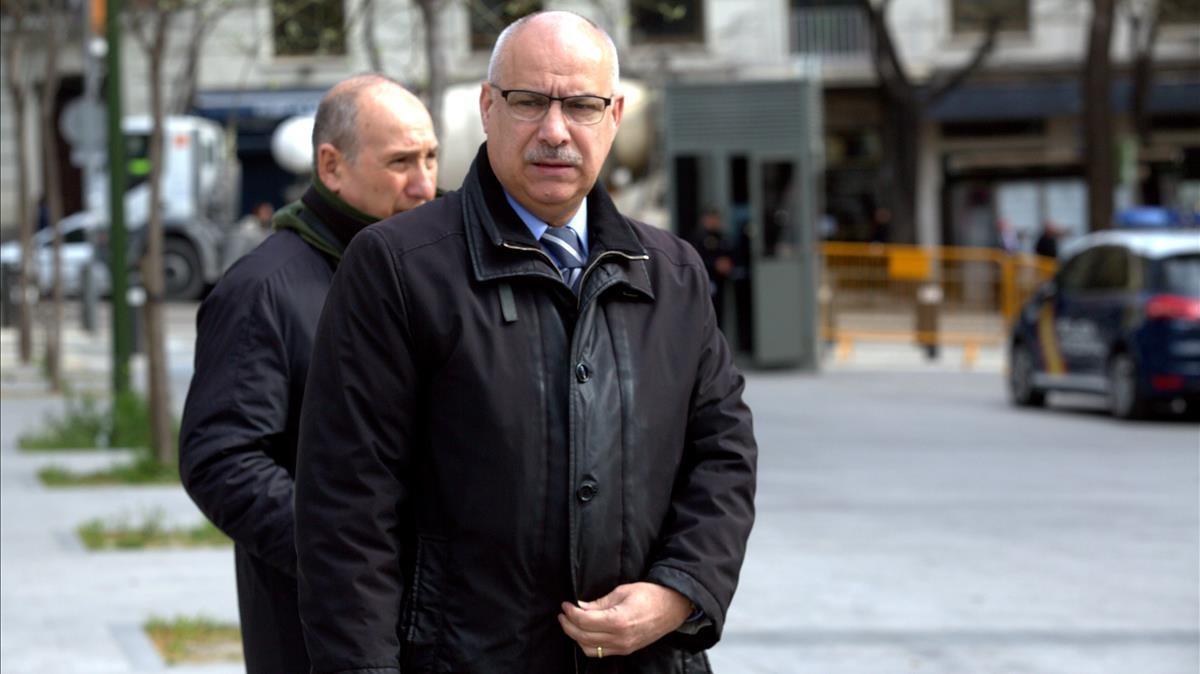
<point x="563" y="245"/>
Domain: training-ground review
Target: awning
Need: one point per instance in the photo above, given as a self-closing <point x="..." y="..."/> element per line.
<point x="253" y="105"/>
<point x="1052" y="98"/>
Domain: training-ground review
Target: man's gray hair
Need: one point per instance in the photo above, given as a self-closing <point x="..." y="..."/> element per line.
<point x="496" y="61"/>
<point x="337" y="115"/>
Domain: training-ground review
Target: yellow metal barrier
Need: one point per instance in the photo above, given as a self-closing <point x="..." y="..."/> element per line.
<point x="930" y="296"/>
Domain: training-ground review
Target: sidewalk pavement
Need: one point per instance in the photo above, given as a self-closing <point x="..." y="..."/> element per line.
<point x="67" y="610"/>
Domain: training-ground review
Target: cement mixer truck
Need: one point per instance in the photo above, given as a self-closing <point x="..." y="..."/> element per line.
<point x="200" y="190"/>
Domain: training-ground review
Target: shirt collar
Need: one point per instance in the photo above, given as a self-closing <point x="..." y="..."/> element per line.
<point x="578" y="222"/>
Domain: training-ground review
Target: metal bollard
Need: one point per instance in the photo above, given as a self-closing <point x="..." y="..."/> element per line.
<point x="136" y="297"/>
<point x="828" y="318"/>
<point x="929" y="300"/>
<point x="88" y="294"/>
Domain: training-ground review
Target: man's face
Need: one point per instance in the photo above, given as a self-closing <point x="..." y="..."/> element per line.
<point x="395" y="166"/>
<point x="550" y="165"/>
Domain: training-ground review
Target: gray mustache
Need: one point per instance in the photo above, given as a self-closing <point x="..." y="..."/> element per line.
<point x="558" y="155"/>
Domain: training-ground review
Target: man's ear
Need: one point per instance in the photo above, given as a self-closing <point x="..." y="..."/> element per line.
<point x="329" y="165"/>
<point x="618" y="109"/>
<point x="485" y="104"/>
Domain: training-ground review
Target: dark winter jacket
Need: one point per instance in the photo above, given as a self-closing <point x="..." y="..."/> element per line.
<point x="477" y="445"/>
<point x="237" y="449"/>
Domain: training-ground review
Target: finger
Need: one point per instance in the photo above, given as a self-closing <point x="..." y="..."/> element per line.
<point x="603" y="621"/>
<point x="584" y="638"/>
<point x="618" y="595"/>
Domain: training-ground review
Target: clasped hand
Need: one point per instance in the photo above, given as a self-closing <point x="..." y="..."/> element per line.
<point x="625" y="620"/>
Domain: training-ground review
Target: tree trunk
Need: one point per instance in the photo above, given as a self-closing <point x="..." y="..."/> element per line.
<point x="1145" y="32"/>
<point x="17" y="84"/>
<point x="901" y="135"/>
<point x="53" y="196"/>
<point x="203" y="23"/>
<point x="152" y="264"/>
<point x="431" y="11"/>
<point x="904" y="103"/>
<point x="370" y="42"/>
<point x="1098" y="125"/>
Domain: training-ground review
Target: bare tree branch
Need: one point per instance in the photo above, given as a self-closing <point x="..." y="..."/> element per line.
<point x="883" y="50"/>
<point x="939" y="89"/>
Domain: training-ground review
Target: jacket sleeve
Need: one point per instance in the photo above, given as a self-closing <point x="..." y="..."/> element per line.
<point x="356" y="438"/>
<point x="704" y="538"/>
<point x="236" y="409"/>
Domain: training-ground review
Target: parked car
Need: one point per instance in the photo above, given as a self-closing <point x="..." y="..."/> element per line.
<point x="78" y="258"/>
<point x="1121" y="318"/>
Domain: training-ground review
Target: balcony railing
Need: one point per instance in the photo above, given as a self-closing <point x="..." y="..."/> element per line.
<point x="831" y="32"/>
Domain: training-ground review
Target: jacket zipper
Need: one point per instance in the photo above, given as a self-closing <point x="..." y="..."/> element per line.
<point x="587" y="270"/>
<point x="579" y="306"/>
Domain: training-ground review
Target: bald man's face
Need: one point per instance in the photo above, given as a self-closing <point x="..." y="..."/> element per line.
<point x="551" y="164"/>
<point x="395" y="166"/>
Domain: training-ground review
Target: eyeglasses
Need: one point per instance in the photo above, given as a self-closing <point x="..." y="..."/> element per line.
<point x="531" y="106"/>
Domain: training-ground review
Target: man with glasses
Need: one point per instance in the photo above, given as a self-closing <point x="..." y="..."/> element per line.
<point x="525" y="447"/>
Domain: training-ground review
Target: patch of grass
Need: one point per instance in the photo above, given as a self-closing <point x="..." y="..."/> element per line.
<point x="194" y="639"/>
<point x="83" y="426"/>
<point x="88" y="425"/>
<point x="150" y="533"/>
<point x="145" y="470"/>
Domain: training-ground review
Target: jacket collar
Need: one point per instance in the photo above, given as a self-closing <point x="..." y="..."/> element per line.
<point x="501" y="245"/>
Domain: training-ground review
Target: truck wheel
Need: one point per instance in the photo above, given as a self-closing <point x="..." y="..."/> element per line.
<point x="1020" y="379"/>
<point x="181" y="270"/>
<point x="1123" y="399"/>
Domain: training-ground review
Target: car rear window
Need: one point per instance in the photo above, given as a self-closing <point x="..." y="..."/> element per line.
<point x="1181" y="275"/>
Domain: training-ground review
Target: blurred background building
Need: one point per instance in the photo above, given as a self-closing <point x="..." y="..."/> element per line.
<point x="993" y="157"/>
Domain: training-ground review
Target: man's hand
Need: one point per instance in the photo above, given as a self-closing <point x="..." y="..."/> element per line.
<point x="625" y="620"/>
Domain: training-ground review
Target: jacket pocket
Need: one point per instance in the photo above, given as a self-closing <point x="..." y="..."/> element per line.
<point x="424" y="612"/>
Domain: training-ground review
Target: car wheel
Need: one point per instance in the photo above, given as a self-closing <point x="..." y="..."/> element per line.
<point x="1124" y="402"/>
<point x="181" y="270"/>
<point x="1020" y="379"/>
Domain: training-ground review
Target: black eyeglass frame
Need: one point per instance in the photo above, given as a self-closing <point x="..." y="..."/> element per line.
<point x="550" y="99"/>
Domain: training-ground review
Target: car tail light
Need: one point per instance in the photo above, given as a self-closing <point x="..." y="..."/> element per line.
<point x="1166" y="382"/>
<point x="1173" y="307"/>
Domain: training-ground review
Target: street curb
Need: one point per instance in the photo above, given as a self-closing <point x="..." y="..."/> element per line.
<point x="137" y="647"/>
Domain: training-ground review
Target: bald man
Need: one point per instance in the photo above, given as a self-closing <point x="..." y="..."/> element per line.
<point x="374" y="155"/>
<point x="524" y="447"/>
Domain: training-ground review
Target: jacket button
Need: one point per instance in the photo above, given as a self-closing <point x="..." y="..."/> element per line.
<point x="583" y="373"/>
<point x="587" y="491"/>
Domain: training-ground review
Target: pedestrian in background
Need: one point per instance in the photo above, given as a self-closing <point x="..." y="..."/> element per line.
<point x="709" y="240"/>
<point x="524" y="446"/>
<point x="247" y="234"/>
<point x="1047" y="241"/>
<point x="374" y="154"/>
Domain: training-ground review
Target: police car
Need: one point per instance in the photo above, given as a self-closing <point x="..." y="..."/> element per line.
<point x="1121" y="318"/>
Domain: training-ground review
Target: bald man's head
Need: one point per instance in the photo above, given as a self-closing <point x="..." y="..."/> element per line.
<point x="559" y="20"/>
<point x="374" y="146"/>
<point x="338" y="111"/>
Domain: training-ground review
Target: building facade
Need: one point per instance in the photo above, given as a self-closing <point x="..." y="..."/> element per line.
<point x="1003" y="147"/>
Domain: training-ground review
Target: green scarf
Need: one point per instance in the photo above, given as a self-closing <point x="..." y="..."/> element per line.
<point x="322" y="219"/>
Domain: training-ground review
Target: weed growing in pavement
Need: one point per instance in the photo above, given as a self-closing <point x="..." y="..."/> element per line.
<point x="89" y="425"/>
<point x="150" y="533"/>
<point x="144" y="470"/>
<point x="194" y="639"/>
